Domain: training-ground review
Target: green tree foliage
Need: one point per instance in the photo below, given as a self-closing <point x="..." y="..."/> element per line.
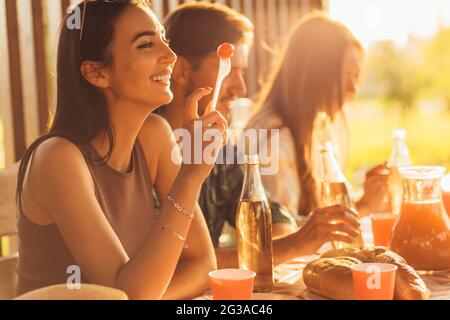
<point x="436" y="66"/>
<point x="393" y="74"/>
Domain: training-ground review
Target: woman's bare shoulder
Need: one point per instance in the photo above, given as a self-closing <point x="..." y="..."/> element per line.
<point x="157" y="126"/>
<point x="157" y="139"/>
<point x="156" y="133"/>
<point x="56" y="152"/>
<point x="57" y="159"/>
<point x="57" y="164"/>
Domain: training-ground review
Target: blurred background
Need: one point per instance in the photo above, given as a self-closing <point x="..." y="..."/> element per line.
<point x="406" y="82"/>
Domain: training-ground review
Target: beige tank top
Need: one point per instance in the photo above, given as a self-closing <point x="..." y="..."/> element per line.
<point x="128" y="201"/>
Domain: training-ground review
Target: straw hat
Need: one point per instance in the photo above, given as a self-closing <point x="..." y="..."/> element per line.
<point x="86" y="292"/>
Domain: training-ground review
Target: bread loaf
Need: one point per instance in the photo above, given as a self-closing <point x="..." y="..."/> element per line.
<point x="331" y="277"/>
<point x="365" y="255"/>
<point x="408" y="284"/>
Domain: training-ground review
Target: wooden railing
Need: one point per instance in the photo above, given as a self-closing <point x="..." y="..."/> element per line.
<point x="28" y="36"/>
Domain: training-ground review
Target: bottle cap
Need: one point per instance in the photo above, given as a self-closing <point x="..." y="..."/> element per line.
<point x="251" y="159"/>
<point x="399" y="134"/>
<point x="327" y="147"/>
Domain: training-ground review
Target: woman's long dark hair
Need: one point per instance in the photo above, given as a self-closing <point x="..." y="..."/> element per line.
<point x="81" y="111"/>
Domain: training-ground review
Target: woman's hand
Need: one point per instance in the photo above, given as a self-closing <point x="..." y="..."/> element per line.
<point x="207" y="135"/>
<point x="375" y="198"/>
<point x="336" y="223"/>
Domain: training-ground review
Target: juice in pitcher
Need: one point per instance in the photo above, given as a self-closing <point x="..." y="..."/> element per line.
<point x="446" y="193"/>
<point x="422" y="232"/>
<point x="446" y="198"/>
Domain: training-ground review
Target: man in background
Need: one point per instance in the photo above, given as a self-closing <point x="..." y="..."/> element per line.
<point x="195" y="30"/>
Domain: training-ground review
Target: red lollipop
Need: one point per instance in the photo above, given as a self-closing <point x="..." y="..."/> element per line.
<point x="225" y="50"/>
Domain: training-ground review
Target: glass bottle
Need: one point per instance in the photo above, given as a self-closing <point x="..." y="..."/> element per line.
<point x="399" y="158"/>
<point x="400" y="152"/>
<point x="335" y="189"/>
<point x="254" y="228"/>
<point x="422" y="233"/>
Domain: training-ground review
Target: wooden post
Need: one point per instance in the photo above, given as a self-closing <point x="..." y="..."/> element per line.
<point x="7" y="157"/>
<point x="317" y="4"/>
<point x="41" y="63"/>
<point x="165" y="8"/>
<point x="15" y="77"/>
<point x="64" y="5"/>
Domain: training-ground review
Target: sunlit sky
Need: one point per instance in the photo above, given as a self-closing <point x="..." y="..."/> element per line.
<point x="374" y="20"/>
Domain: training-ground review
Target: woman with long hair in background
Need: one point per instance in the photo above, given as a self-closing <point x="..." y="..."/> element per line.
<point x="305" y="98"/>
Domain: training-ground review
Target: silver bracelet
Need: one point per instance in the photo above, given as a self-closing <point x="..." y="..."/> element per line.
<point x="173" y="233"/>
<point x="179" y="208"/>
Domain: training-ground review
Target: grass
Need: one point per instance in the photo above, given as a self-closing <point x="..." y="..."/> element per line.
<point x="371" y="128"/>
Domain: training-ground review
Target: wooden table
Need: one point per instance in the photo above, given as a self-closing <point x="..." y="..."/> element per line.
<point x="289" y="282"/>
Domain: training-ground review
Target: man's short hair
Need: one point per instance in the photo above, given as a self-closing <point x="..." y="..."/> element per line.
<point x="196" y="29"/>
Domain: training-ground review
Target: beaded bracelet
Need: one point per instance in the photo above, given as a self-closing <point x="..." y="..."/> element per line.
<point x="174" y="234"/>
<point x="179" y="208"/>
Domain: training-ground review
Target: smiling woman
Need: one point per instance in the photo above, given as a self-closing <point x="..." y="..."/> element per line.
<point x="87" y="190"/>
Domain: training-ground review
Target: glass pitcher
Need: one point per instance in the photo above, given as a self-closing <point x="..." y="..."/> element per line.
<point x="422" y="232"/>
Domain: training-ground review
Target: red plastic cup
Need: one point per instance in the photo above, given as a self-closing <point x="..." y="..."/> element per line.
<point x="232" y="284"/>
<point x="373" y="281"/>
<point x="382" y="225"/>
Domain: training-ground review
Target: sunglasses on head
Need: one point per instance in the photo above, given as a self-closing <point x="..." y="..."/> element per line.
<point x="85" y="9"/>
<point x="85" y="5"/>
